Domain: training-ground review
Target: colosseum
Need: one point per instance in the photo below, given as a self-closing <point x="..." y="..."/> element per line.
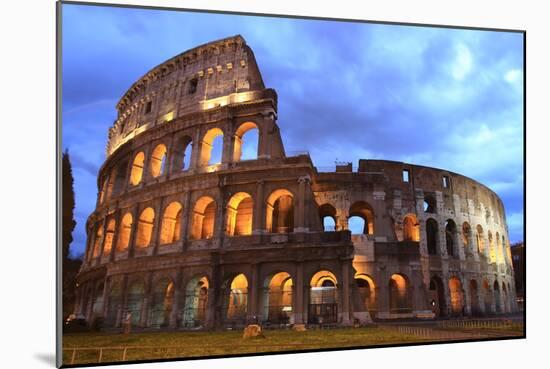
<point x="183" y="242"/>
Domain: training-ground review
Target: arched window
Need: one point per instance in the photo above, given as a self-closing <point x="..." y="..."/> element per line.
<point x="145" y="227"/>
<point x="430" y="204"/>
<point x="280" y="212"/>
<point x="137" y="168"/>
<point x="456" y="296"/>
<point x="278" y="298"/>
<point x="237" y="301"/>
<point x="182" y="154"/>
<point x="97" y="240"/>
<point x="136" y="293"/>
<point x="239" y="215"/>
<point x="323" y="298"/>
<point x="109" y="234"/>
<point x="124" y="232"/>
<point x="162" y="303"/>
<point x="158" y="161"/>
<point x="327" y="213"/>
<point x="411" y="228"/>
<point x="450" y="233"/>
<point x="196" y="298"/>
<point x="204" y="214"/>
<point x="246" y="142"/>
<point x="364" y="211"/>
<point x="211" y="147"/>
<point x="366" y="288"/>
<point x="432" y="231"/>
<point x="171" y="223"/>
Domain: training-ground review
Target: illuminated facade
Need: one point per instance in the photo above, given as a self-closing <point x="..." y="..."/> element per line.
<point x="181" y="240"/>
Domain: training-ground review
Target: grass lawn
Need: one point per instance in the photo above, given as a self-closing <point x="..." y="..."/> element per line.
<point x="189" y="344"/>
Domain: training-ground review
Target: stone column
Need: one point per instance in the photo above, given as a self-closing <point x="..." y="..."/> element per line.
<point x="345" y="264"/>
<point x="133" y="231"/>
<point x="146" y="175"/>
<point x="105" y="296"/>
<point x="124" y="300"/>
<point x="117" y="217"/>
<point x="220" y="217"/>
<point x="460" y="244"/>
<point x="383" y="294"/>
<point x="480" y="298"/>
<point x="173" y="324"/>
<point x="264" y="136"/>
<point x="252" y="308"/>
<point x="157" y="223"/>
<point x="298" y="294"/>
<point x="145" y="307"/>
<point x="228" y="144"/>
<point x="185" y="214"/>
<point x="196" y="150"/>
<point x="300" y="218"/>
<point x="258" y="226"/>
<point x="467" y="300"/>
<point x="102" y="240"/>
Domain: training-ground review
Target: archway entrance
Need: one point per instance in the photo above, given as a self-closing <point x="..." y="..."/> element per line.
<point x="437" y="297"/>
<point x="474" y="301"/>
<point x="323" y="298"/>
<point x="236" y="301"/>
<point x="400" y="301"/>
<point x="195" y="302"/>
<point x="457" y="296"/>
<point x="278" y="299"/>
<point x="163" y="300"/>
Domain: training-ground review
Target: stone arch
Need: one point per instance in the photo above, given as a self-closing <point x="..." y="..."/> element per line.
<point x="467" y="236"/>
<point x="437" y="297"/>
<point x="280" y="211"/>
<point x="456" y="296"/>
<point x="181" y="154"/>
<point x="450" y="236"/>
<point x="430" y="204"/>
<point x="363" y="210"/>
<point x="97" y="240"/>
<point x="245" y="128"/>
<point x="207" y="144"/>
<point x="236" y="300"/>
<point x="124" y="232"/>
<point x="162" y="302"/>
<point x="114" y="302"/>
<point x="400" y="295"/>
<point x="136" y="173"/>
<point x="327" y="213"/>
<point x="170" y="230"/>
<point x="204" y="217"/>
<point x="366" y="292"/>
<point x="195" y="302"/>
<point x="240" y="208"/>
<point x="323" y="298"/>
<point x="109" y="236"/>
<point x="474" y="301"/>
<point x="277" y="298"/>
<point x="157" y="166"/>
<point x="432" y="236"/>
<point x="479" y="239"/>
<point x="411" y="228"/>
<point x="134" y="300"/>
<point x="487" y="296"/>
<point x="145" y="227"/>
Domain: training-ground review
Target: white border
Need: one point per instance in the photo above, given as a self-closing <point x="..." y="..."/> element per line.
<point x="28" y="181"/>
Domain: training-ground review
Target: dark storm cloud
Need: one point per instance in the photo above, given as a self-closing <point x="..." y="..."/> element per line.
<point x="437" y="97"/>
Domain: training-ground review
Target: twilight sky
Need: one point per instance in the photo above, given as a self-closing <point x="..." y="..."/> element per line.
<point x="445" y="98"/>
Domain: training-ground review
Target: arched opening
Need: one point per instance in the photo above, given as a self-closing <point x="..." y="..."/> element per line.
<point x="323" y="298"/>
<point x="195" y="304"/>
<point x="211" y="147"/>
<point x="280" y="212"/>
<point x="97" y="240"/>
<point x="162" y="303"/>
<point x="170" y="230"/>
<point x="204" y="215"/>
<point x="432" y="236"/>
<point x="134" y="304"/>
<point x="496" y="293"/>
<point x="137" y="168"/>
<point x="437" y="297"/>
<point x="182" y="154"/>
<point x="239" y="215"/>
<point x="124" y="232"/>
<point x="278" y="298"/>
<point x="411" y="228"/>
<point x="492" y="252"/>
<point x="467" y="237"/>
<point x="109" y="234"/>
<point x="236" y="300"/>
<point x="327" y="213"/>
<point x="158" y="161"/>
<point x="479" y="238"/>
<point x="456" y="295"/>
<point x="114" y="302"/>
<point x="430" y="204"/>
<point x="474" y="301"/>
<point x="362" y="210"/>
<point x="145" y="227"/>
<point x="450" y="235"/>
<point x="246" y="142"/>
<point x="366" y="293"/>
<point x="400" y="301"/>
<point x="97" y="302"/>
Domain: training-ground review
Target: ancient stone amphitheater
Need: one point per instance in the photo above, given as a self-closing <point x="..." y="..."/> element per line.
<point x="181" y="241"/>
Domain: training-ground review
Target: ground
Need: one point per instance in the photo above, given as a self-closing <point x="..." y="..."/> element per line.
<point x="162" y="345"/>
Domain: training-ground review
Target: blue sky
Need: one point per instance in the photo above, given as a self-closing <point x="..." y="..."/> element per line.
<point x="439" y="97"/>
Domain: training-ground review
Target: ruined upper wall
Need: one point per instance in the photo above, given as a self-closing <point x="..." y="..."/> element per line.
<point x="218" y="73"/>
